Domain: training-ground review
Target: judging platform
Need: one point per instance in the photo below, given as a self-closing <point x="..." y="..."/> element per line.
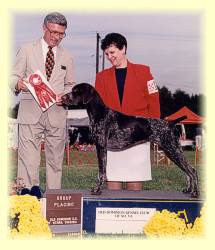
<point x="126" y="212"/>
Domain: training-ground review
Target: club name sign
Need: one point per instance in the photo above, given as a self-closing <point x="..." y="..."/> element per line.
<point x="122" y="220"/>
<point x="64" y="211"/>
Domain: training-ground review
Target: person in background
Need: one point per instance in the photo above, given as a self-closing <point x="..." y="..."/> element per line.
<point x="56" y="64"/>
<point x="130" y="89"/>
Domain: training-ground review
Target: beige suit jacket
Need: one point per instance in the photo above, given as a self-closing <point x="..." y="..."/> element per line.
<point x="29" y="59"/>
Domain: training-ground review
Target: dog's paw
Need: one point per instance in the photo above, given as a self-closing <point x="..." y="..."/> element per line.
<point x="186" y="190"/>
<point x="96" y="191"/>
<point x="195" y="194"/>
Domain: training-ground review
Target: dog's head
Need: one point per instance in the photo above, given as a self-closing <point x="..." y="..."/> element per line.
<point x="81" y="94"/>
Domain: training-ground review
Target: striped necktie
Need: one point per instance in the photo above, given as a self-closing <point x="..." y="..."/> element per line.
<point x="49" y="64"/>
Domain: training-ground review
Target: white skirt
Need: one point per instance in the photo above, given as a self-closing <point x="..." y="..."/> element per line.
<point x="130" y="165"/>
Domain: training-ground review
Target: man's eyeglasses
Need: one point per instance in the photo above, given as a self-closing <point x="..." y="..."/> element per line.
<point x="55" y="33"/>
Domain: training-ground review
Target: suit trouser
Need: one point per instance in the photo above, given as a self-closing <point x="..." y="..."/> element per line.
<point x="29" y="152"/>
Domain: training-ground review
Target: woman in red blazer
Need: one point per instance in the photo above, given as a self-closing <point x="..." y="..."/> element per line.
<point x="128" y="88"/>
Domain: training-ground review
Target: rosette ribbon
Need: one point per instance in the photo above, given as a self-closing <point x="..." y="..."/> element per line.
<point x="43" y="92"/>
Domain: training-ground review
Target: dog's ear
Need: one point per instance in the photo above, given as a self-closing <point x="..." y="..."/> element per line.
<point x="88" y="95"/>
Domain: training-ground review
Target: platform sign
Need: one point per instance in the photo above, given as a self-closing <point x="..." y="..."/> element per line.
<point x="64" y="211"/>
<point x="110" y="220"/>
<point x="128" y="216"/>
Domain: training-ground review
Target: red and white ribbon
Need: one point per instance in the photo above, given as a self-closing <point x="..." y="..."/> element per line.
<point x="43" y="93"/>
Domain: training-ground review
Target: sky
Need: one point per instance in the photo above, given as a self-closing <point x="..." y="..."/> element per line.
<point x="169" y="42"/>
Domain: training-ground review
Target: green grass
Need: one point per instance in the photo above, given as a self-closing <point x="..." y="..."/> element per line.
<point x="82" y="173"/>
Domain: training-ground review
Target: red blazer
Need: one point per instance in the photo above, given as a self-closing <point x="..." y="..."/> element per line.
<point x="140" y="97"/>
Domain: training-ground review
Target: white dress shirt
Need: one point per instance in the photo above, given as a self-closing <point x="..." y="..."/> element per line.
<point x="45" y="49"/>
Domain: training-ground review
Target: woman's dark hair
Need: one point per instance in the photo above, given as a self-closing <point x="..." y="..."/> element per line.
<point x="114" y="38"/>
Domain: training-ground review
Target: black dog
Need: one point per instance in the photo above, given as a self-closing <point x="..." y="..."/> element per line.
<point x="115" y="131"/>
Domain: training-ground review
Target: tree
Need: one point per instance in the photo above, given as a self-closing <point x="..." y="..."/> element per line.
<point x="166" y="101"/>
<point x="181" y="99"/>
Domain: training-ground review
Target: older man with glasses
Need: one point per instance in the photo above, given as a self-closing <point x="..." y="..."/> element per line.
<point x="56" y="64"/>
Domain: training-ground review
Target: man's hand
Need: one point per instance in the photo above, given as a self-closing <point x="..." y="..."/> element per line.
<point x="21" y="86"/>
<point x="59" y="100"/>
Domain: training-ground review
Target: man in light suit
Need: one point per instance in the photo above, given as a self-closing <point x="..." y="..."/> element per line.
<point x="34" y="125"/>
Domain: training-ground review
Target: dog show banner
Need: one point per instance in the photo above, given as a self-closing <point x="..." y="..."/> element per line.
<point x="41" y="90"/>
<point x="64" y="211"/>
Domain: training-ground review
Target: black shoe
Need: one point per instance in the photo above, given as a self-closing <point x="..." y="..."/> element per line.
<point x="25" y="191"/>
<point x="35" y="191"/>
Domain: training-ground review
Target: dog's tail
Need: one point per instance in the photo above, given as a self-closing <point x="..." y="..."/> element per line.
<point x="172" y="123"/>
